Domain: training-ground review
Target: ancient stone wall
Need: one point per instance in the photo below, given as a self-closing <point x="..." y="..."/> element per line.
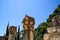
<point x="54" y="30"/>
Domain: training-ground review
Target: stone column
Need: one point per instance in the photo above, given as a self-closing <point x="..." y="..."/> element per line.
<point x="31" y="34"/>
<point x="25" y="27"/>
<point x="31" y="27"/>
<point x="12" y="31"/>
<point x="28" y="26"/>
<point x="25" y="33"/>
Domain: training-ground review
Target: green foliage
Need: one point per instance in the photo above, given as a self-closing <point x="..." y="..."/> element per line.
<point x="42" y="28"/>
<point x="40" y="31"/>
<point x="54" y="14"/>
<point x="7" y="31"/>
<point x="18" y="35"/>
<point x="21" y="34"/>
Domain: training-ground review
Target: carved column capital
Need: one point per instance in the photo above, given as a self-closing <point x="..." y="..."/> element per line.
<point x="12" y="30"/>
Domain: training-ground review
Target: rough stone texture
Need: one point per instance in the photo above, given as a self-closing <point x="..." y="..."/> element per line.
<point x="58" y="29"/>
<point x="54" y="30"/>
<point x="58" y="20"/>
<point x="53" y="34"/>
<point x="54" y="22"/>
<point x="46" y="37"/>
<point x="51" y="30"/>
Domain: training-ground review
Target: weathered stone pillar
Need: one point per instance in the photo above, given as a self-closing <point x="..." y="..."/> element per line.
<point x="25" y="34"/>
<point x="31" y="27"/>
<point x="25" y="27"/>
<point x="12" y="30"/>
<point x="31" y="34"/>
<point x="28" y="26"/>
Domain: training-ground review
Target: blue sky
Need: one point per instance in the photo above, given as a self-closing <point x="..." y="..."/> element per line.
<point x="13" y="11"/>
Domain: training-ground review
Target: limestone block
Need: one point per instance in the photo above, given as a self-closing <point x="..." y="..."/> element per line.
<point x="46" y="36"/>
<point x="51" y="29"/>
<point x="55" y="38"/>
<point x="58" y="29"/>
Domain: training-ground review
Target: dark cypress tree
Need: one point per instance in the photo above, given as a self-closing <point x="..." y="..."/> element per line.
<point x="18" y="34"/>
<point x="7" y="31"/>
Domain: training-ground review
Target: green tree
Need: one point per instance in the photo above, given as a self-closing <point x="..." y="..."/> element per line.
<point x="18" y="33"/>
<point x="7" y="30"/>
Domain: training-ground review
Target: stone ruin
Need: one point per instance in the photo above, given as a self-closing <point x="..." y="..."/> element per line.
<point x="12" y="33"/>
<point x="28" y="26"/>
<point x="54" y="29"/>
